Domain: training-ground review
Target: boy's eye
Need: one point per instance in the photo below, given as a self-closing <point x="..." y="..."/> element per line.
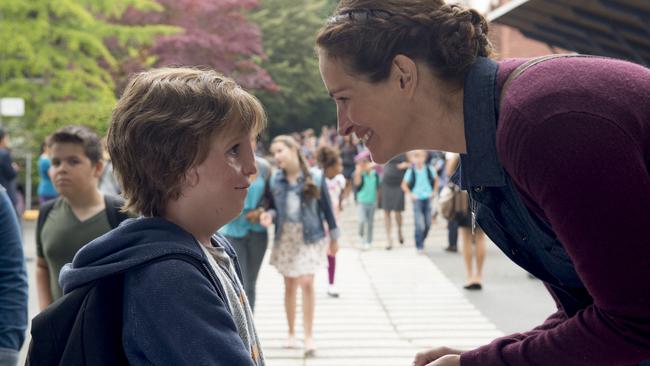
<point x="55" y="162"/>
<point x="234" y="150"/>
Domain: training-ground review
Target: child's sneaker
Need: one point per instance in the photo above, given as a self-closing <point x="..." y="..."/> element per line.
<point x="332" y="292"/>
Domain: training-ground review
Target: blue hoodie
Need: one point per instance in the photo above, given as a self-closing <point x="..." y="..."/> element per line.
<point x="173" y="315"/>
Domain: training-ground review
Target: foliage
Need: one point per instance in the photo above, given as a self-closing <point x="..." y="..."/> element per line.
<point x="215" y="34"/>
<point x="52" y="51"/>
<point x="288" y="34"/>
<point x="53" y="55"/>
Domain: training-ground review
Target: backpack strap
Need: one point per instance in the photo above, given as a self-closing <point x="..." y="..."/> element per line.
<point x="432" y="180"/>
<point x="411" y="182"/>
<point x="528" y="64"/>
<point x="114" y="211"/>
<point x="43" y="213"/>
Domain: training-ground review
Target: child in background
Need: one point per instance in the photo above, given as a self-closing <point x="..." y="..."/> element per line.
<point x="80" y="214"/>
<point x="329" y="161"/>
<point x="46" y="190"/>
<point x="420" y="184"/>
<point x="300" y="203"/>
<point x="366" y="182"/>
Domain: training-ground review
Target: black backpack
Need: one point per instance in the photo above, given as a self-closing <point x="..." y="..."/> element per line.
<point x="432" y="179"/>
<point x="84" y="327"/>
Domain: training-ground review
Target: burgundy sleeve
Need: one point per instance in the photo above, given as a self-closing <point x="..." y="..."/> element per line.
<point x="589" y="177"/>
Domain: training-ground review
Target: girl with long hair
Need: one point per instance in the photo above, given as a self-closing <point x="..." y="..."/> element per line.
<point x="300" y="204"/>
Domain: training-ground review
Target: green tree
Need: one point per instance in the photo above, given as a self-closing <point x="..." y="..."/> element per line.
<point x="288" y="29"/>
<point x="52" y="53"/>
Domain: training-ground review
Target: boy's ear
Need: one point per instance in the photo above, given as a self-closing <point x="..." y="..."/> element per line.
<point x="99" y="168"/>
<point x="192" y="177"/>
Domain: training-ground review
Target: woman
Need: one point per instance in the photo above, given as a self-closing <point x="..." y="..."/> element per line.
<point x="392" y="196"/>
<point x="557" y="173"/>
<point x="473" y="240"/>
<point x="300" y="201"/>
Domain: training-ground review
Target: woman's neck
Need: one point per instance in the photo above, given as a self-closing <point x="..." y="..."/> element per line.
<point x="438" y="119"/>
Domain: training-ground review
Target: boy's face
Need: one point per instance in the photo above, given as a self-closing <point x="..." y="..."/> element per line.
<point x="216" y="188"/>
<point x="71" y="170"/>
<point x="417" y="157"/>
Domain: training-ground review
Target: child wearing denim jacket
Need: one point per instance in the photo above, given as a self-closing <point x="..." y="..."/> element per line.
<point x="300" y="203"/>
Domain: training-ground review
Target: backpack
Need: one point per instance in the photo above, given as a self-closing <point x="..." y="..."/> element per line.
<point x="84" y="327"/>
<point x="363" y="181"/>
<point x="432" y="179"/>
<point x="113" y="213"/>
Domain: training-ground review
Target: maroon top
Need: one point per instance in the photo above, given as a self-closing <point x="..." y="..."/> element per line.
<point x="574" y="134"/>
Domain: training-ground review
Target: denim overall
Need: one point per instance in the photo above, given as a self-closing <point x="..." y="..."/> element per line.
<point x="496" y="205"/>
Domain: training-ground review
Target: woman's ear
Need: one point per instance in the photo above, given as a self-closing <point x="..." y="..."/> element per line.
<point x="405" y="72"/>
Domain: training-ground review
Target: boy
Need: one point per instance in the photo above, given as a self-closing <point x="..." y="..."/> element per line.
<point x="420" y="184"/>
<point x="366" y="182"/>
<point x="180" y="143"/>
<point x="80" y="214"/>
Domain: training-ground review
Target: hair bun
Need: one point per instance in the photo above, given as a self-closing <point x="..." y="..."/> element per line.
<point x="461" y="35"/>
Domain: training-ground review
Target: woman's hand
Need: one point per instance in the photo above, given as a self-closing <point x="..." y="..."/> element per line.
<point x="266" y="219"/>
<point x="441" y="356"/>
<point x="333" y="248"/>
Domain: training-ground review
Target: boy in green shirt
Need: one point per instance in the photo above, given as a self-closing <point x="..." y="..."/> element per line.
<point x="80" y="214"/>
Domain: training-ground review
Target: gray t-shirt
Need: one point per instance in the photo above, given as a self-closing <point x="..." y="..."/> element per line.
<point x="63" y="235"/>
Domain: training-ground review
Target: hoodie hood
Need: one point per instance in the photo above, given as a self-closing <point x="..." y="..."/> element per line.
<point x="134" y="242"/>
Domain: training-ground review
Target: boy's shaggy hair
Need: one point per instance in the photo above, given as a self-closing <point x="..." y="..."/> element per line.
<point x="165" y="123"/>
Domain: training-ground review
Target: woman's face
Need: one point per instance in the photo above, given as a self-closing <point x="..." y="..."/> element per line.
<point x="373" y="111"/>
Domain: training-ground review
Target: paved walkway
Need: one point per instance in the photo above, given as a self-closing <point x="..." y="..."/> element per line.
<point x="392" y="304"/>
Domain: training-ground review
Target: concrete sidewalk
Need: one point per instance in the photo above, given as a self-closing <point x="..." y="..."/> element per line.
<point x="392" y="305"/>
